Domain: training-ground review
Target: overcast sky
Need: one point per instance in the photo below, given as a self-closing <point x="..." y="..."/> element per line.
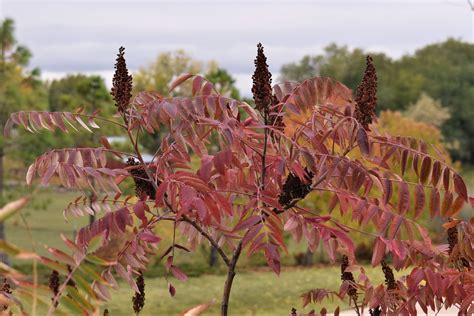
<point x="83" y="36"/>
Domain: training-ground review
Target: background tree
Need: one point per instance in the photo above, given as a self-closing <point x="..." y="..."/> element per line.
<point x="403" y="81"/>
<point x="223" y="82"/>
<point x="158" y="75"/>
<point x="66" y="94"/>
<point x="19" y="88"/>
<point x="72" y="91"/>
<point x="89" y="92"/>
<point x="428" y="110"/>
<point x="453" y="87"/>
<point x="346" y="65"/>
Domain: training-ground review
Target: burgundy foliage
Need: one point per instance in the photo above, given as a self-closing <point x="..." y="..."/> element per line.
<point x="244" y="196"/>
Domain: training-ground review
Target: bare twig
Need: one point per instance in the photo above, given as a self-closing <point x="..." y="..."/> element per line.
<point x="55" y="301"/>
<point x="208" y="237"/>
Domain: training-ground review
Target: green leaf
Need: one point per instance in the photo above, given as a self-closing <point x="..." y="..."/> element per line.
<point x="90" y="272"/>
<point x="95" y="243"/>
<point x="99" y="261"/>
<point x="71" y="305"/>
<point x="54" y="265"/>
<point x="84" y="285"/>
<point x="61" y="256"/>
<point x="79" y="298"/>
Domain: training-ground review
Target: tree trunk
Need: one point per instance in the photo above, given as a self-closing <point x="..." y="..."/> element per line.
<point x="308" y="258"/>
<point x="230" y="279"/>
<point x="213" y="257"/>
<point x="3" y="256"/>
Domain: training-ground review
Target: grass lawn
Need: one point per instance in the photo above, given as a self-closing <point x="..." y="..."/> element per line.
<point x="253" y="293"/>
<point x="45" y="220"/>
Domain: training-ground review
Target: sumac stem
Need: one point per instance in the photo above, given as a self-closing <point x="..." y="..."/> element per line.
<point x="230" y="279"/>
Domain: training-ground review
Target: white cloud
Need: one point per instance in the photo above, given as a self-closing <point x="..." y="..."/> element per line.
<point x="72" y="36"/>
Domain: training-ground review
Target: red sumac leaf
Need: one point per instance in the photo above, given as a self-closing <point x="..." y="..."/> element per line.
<point x="197" y="83"/>
<point x="409" y="229"/>
<point x="388" y="190"/>
<point x="92" y="123"/>
<point x="48" y="174"/>
<point x="403" y="162"/>
<point x="252" y="220"/>
<point x="363" y="141"/>
<point x="434" y="202"/>
<point x="446" y="176"/>
<point x="105" y="142"/>
<point x="395" y="227"/>
<point x="467" y="302"/>
<point x="460" y="186"/>
<point x="379" y="251"/>
<point x="425" y="169"/>
<point x="178" y="274"/>
<point x="403" y="198"/>
<point x="291" y="224"/>
<point x="179" y="81"/>
<point x="419" y="200"/>
<point x="414" y="164"/>
<point x="273" y="257"/>
<point x="139" y="209"/>
<point x="251" y="234"/>
<point x="207" y="89"/>
<point x="160" y="193"/>
<point x="436" y="173"/>
<point x="30" y="173"/>
<point x="61" y="256"/>
<point x="149" y="237"/>
<point x="81" y="122"/>
<point x="431" y="279"/>
<point x="447" y="202"/>
<point x="456" y="207"/>
<point x="333" y="202"/>
<point x="169" y="262"/>
<point x="171" y="290"/>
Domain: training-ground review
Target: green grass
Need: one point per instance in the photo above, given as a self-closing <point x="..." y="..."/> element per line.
<point x="253" y="293"/>
<point x="45" y="220"/>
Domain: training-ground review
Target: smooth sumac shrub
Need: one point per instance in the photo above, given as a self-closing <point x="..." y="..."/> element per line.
<point x="300" y="138"/>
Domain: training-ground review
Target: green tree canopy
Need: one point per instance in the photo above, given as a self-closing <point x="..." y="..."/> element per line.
<point x="429" y="111"/>
<point x="79" y="90"/>
<point x="158" y="75"/>
<point x="20" y="88"/>
<point x="445" y="71"/>
<point x="223" y="82"/>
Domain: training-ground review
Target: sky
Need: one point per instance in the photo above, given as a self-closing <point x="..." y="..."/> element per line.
<point x="70" y="36"/>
